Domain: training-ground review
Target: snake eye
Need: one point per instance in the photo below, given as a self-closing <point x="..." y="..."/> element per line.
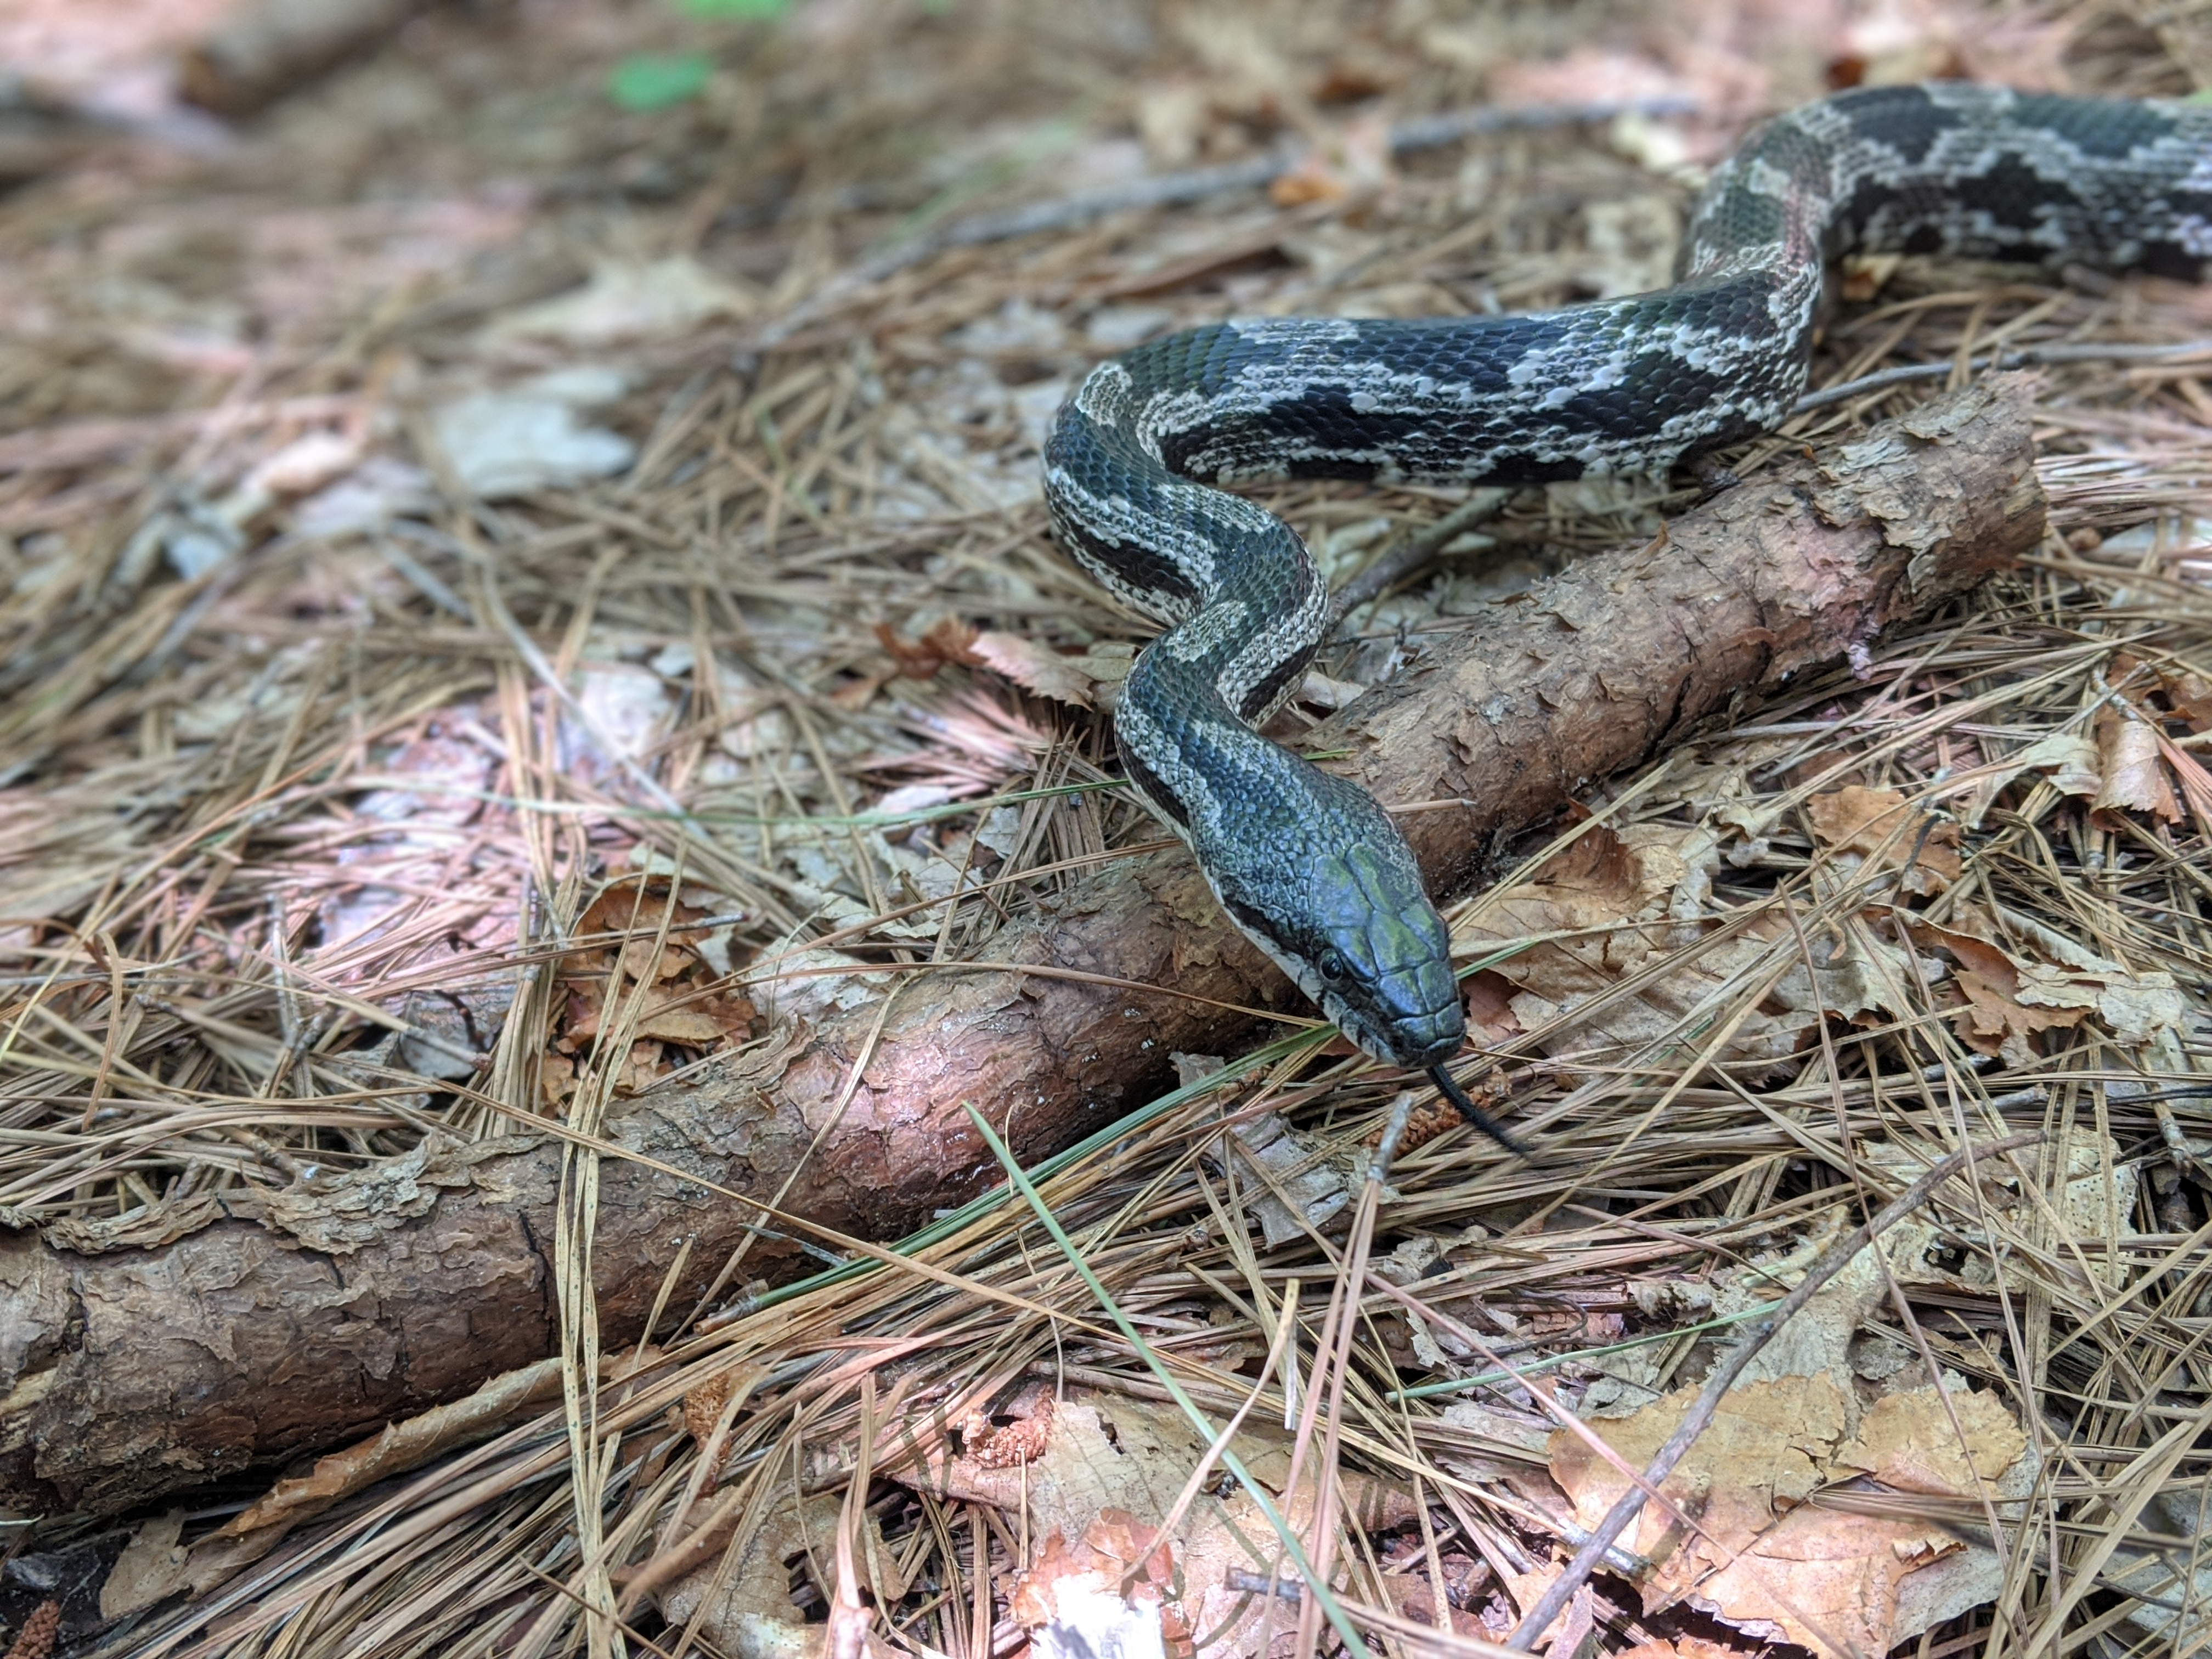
<point x="1331" y="965"/>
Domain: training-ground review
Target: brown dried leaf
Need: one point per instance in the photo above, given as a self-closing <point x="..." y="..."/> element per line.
<point x="946" y="642"/>
<point x="1171" y="119"/>
<point x="1993" y="1023"/>
<point x="1826" y="1581"/>
<point x="2008" y="1001"/>
<point x="1036" y="1602"/>
<point x="1490" y="1006"/>
<point x="1764" y="1558"/>
<point x="1127" y="1546"/>
<point x="1769" y="1441"/>
<point x="625" y="907"/>
<point x="1866" y="275"/>
<point x="1115" y="1549"/>
<point x="674" y="1014"/>
<point x="399" y="1447"/>
<point x="2196" y="781"/>
<point x="2189" y="694"/>
<point x="2134" y="777"/>
<point x="1628" y="898"/>
<point x="640" y="959"/>
<point x="1036" y="667"/>
<point x="1883" y="825"/>
<point x="645" y="1066"/>
<point x="698" y="1021"/>
<point x="746" y="1605"/>
<point x="1682" y="1647"/>
<point x="1354" y="162"/>
<point x="1598" y="864"/>
<point x="151" y="1568"/>
<point x="1105" y="1456"/>
<point x="556" y="1077"/>
<point x="1907" y="1441"/>
<point x="1992" y="1020"/>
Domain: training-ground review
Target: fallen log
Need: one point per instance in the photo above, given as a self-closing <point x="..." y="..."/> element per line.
<point x="272" y="47"/>
<point x="154" y="1351"/>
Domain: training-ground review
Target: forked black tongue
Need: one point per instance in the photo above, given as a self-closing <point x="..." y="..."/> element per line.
<point x="1474" y="1114"/>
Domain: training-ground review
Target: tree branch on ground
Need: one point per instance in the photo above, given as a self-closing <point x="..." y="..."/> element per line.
<point x="155" y="1352"/>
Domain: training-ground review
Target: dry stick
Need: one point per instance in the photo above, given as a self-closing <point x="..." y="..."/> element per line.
<point x="1839" y="1257"/>
<point x="1903" y="373"/>
<point x="1773" y="586"/>
<point x="1402" y="560"/>
<point x="1180" y="189"/>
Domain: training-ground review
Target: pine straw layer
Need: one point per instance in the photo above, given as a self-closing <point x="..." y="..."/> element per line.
<point x="310" y="846"/>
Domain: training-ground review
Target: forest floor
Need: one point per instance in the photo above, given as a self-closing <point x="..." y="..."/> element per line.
<point x="523" y="582"/>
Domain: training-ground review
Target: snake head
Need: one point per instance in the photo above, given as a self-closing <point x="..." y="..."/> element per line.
<point x="1369" y="948"/>
<point x="1384" y="969"/>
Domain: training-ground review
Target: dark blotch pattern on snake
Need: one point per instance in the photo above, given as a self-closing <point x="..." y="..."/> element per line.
<point x="1310" y="866"/>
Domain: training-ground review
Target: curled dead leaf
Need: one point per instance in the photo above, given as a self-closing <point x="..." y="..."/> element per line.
<point x="2009" y="999"/>
<point x="2189" y="694"/>
<point x="2128" y="756"/>
<point x="1037" y="668"/>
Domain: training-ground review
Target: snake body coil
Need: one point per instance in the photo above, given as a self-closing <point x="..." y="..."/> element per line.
<point x="1308" y="865"/>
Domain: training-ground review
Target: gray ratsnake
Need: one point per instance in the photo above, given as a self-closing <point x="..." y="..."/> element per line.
<point x="1309" y="865"/>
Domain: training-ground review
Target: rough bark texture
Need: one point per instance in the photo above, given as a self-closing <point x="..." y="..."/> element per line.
<point x="272" y="47"/>
<point x="144" y="1355"/>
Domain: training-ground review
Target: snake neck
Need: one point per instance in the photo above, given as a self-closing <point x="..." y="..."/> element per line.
<point x="1306" y="865"/>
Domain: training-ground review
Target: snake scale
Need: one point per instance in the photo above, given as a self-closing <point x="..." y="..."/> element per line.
<point x="1309" y="865"/>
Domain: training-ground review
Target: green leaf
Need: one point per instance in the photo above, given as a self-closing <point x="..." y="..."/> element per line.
<point x="744" y="9"/>
<point x="648" y="81"/>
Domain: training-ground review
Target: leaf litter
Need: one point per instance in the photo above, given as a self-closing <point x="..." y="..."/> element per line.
<point x="378" y="576"/>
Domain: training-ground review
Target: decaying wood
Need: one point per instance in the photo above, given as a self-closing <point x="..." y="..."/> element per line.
<point x="141" y="1355"/>
<point x="272" y="47"/>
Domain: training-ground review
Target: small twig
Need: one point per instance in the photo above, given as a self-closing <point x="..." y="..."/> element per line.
<point x="1409" y="557"/>
<point x="1838" y="1257"/>
<point x="1904" y="373"/>
<point x="1386" y="1150"/>
<point x="1259" y="1583"/>
<point x="1179" y="189"/>
<point x="1196" y="184"/>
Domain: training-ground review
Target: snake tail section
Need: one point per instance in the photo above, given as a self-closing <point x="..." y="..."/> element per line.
<point x="1309" y="866"/>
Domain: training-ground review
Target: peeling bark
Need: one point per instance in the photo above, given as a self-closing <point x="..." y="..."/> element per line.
<point x="272" y="47"/>
<point x="151" y="1353"/>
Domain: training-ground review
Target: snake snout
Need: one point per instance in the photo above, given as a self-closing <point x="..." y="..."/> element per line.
<point x="1426" y="1025"/>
